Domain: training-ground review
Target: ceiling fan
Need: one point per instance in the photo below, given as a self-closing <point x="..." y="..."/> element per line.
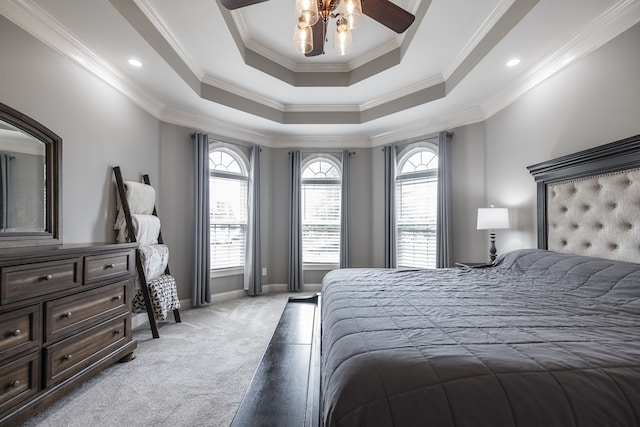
<point x="383" y="11"/>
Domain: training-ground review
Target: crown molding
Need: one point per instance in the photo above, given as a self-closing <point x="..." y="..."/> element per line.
<point x="448" y="121"/>
<point x="326" y="141"/>
<point x="477" y="37"/>
<point x="164" y="29"/>
<point x="259" y="48"/>
<point x="36" y="21"/>
<point x="381" y="50"/>
<point x="215" y="126"/>
<point x="241" y="92"/>
<point x="321" y="108"/>
<point x="404" y="91"/>
<point x="613" y="22"/>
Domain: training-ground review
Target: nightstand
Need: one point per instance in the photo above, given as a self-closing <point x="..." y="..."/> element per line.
<point x="474" y="264"/>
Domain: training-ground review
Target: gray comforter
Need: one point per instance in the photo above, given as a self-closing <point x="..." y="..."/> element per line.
<point x="542" y="339"/>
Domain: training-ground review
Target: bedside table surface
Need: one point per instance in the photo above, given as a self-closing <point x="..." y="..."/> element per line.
<point x="474" y="264"/>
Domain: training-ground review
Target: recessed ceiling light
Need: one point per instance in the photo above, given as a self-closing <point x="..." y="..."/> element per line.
<point x="135" y="62"/>
<point x="513" y="62"/>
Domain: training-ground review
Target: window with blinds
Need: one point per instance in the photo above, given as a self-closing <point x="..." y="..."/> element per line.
<point x="320" y="195"/>
<point x="416" y="209"/>
<point x="227" y="208"/>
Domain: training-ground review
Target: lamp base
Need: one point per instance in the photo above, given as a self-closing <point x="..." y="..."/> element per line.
<point x="492" y="248"/>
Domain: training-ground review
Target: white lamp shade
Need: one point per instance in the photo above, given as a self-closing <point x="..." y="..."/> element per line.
<point x="493" y="218"/>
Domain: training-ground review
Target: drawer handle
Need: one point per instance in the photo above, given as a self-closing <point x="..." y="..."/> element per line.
<point x="67" y="315"/>
<point x="15" y="384"/>
<point x="117" y="297"/>
<point x="68" y="357"/>
<point x="109" y="266"/>
<point x="117" y="332"/>
<point x="16" y="333"/>
<point x="47" y="277"/>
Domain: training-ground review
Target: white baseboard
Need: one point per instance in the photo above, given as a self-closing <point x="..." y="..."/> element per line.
<point x="140" y="319"/>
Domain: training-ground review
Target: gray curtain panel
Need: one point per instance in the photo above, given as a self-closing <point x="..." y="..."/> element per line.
<point x="390" y="206"/>
<point x="296" y="278"/>
<point x="444" y="242"/>
<point x="345" y="239"/>
<point x="253" y="261"/>
<point x="201" y="285"/>
<point x="5" y="184"/>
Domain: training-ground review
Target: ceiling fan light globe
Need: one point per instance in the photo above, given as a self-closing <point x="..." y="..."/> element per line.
<point x="342" y="40"/>
<point x="302" y="38"/>
<point x="351" y="10"/>
<point x="307" y="10"/>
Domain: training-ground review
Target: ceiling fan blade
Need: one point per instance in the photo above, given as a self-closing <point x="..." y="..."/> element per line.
<point x="319" y="31"/>
<point x="388" y="14"/>
<point x="237" y="4"/>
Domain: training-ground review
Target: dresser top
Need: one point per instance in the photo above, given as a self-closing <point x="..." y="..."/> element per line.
<point x="28" y="253"/>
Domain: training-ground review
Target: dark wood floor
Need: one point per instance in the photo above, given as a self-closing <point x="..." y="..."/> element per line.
<point x="285" y="390"/>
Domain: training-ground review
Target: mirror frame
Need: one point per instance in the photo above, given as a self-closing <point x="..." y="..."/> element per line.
<point x="52" y="233"/>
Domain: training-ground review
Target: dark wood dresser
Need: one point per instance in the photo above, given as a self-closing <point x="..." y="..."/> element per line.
<point x="65" y="315"/>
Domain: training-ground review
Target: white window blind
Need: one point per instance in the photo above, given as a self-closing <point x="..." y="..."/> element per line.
<point x="320" y="223"/>
<point x="228" y="211"/>
<point x="416" y="210"/>
<point x="320" y="212"/>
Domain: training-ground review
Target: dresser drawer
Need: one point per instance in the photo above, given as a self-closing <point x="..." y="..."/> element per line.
<point x="103" y="267"/>
<point x="19" y="381"/>
<point x="26" y="281"/>
<point x="19" y="331"/>
<point x="66" y="315"/>
<point x="73" y="354"/>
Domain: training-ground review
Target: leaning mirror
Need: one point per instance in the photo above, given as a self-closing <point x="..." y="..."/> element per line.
<point x="30" y="181"/>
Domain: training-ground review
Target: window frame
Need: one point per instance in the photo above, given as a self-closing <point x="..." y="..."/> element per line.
<point x="243" y="162"/>
<point x="337" y="164"/>
<point x="403" y="156"/>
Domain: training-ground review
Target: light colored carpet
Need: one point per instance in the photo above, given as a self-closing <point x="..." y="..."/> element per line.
<point x="194" y="375"/>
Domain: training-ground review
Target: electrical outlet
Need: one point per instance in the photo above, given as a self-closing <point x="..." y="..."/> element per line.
<point x="264" y="271"/>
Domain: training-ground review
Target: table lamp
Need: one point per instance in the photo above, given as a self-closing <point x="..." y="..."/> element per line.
<point x="492" y="219"/>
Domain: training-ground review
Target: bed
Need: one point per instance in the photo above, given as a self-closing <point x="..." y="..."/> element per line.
<point x="547" y="336"/>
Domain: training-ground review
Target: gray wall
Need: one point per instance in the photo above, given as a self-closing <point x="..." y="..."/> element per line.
<point x="176" y="200"/>
<point x="468" y="189"/>
<point x="592" y="102"/>
<point x="100" y="128"/>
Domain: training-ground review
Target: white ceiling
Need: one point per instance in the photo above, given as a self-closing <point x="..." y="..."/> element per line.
<point x="236" y="73"/>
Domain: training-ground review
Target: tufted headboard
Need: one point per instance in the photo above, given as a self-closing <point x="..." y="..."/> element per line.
<point x="589" y="202"/>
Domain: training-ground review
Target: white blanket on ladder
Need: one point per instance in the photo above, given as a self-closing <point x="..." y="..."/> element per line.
<point x="141" y="199"/>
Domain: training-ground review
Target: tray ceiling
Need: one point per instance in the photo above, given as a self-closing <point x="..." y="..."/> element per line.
<point x="236" y="74"/>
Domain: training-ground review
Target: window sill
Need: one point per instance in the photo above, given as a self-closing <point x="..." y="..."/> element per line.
<point x="224" y="272"/>
<point x="320" y="266"/>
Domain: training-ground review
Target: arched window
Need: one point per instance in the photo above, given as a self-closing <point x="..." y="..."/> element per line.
<point x="416" y="207"/>
<point x="228" y="180"/>
<point x="321" y="181"/>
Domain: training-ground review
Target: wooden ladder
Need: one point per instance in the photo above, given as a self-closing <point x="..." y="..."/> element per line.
<point x="132" y="237"/>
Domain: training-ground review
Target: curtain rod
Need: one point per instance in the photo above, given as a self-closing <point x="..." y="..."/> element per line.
<point x="351" y="153"/>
